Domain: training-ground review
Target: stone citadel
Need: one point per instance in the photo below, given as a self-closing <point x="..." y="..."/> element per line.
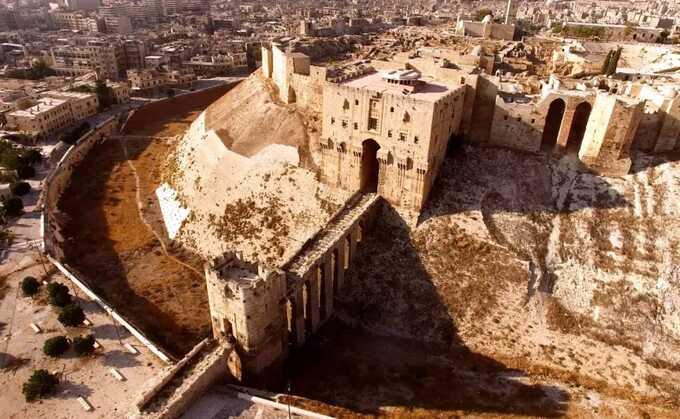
<point x="384" y="132"/>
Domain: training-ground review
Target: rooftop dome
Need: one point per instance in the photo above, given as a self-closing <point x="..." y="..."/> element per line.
<point x="401" y="76"/>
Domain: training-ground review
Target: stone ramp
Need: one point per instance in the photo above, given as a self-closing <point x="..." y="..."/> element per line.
<point x="178" y="387"/>
<point x="327" y="238"/>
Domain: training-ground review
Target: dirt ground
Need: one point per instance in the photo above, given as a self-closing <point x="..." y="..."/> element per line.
<point x="531" y="287"/>
<point x="125" y="257"/>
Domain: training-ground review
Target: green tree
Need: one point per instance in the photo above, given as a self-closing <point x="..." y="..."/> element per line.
<point x="56" y="346"/>
<point x="13" y="206"/>
<point x="20" y="188"/>
<point x="40" y="384"/>
<point x="58" y="294"/>
<point x="10" y="159"/>
<point x="31" y="156"/>
<point x="29" y="286"/>
<point x="104" y="94"/>
<point x="40" y="69"/>
<point x="83" y="345"/>
<point x="25" y="172"/>
<point x="613" y="62"/>
<point x="71" y="315"/>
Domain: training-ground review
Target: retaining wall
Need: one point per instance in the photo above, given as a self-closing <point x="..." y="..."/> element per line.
<point x="185" y="101"/>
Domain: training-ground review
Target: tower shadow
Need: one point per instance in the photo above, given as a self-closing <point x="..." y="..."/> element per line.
<point x="395" y="344"/>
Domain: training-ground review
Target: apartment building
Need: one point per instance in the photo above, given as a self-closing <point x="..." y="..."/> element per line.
<point x="145" y="80"/>
<point x="120" y="92"/>
<point x="45" y="118"/>
<point x="82" y="105"/>
<point x="118" y="24"/>
<point x="148" y="82"/>
<point x="135" y="51"/>
<point x="75" y="22"/>
<point x="106" y="57"/>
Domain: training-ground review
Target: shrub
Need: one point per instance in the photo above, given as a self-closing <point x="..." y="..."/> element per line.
<point x="72" y="315"/>
<point x="58" y="294"/>
<point x="31" y="156"/>
<point x="29" y="286"/>
<point x="56" y="346"/>
<point x="83" y="345"/>
<point x="13" y="206"/>
<point x="11" y="160"/>
<point x="20" y="188"/>
<point x="25" y="172"/>
<point x="39" y="385"/>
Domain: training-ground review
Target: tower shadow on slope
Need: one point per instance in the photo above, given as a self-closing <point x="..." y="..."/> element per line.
<point x="395" y="344"/>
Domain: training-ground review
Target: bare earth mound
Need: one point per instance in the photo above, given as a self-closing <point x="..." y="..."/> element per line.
<point x="538" y="288"/>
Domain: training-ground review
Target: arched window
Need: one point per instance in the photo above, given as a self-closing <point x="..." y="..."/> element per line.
<point x="407" y="117"/>
<point x="345" y="105"/>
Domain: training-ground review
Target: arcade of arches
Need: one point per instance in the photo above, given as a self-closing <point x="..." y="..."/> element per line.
<point x="565" y="127"/>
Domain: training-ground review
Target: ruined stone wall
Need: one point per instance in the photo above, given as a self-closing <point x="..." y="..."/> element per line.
<point x="609" y="134"/>
<point x="502" y="31"/>
<point x="517" y="126"/>
<point x="648" y="131"/>
<point x="670" y="126"/>
<point x="484" y="108"/>
<point x="475" y="29"/>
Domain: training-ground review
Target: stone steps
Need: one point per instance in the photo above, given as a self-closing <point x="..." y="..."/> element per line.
<point x="325" y="239"/>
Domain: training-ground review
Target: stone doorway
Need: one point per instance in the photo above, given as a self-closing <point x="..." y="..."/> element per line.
<point x="370" y="168"/>
<point x="551" y="129"/>
<point x="578" y="127"/>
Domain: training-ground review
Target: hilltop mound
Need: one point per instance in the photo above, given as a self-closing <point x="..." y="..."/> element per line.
<point x="238" y="179"/>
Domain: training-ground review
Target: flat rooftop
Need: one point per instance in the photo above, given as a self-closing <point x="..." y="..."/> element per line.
<point x="44" y="105"/>
<point x="428" y="90"/>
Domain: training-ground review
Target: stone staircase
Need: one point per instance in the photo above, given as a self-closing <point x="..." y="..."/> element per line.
<point x="324" y="240"/>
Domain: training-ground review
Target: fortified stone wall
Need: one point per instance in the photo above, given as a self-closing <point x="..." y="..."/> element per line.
<point x="247" y="303"/>
<point x="516" y="125"/>
<point x="648" y="131"/>
<point x="296" y="80"/>
<point x="670" y="126"/>
<point x="260" y="310"/>
<point x="609" y="135"/>
<point x="411" y="135"/>
<point x="484" y="108"/>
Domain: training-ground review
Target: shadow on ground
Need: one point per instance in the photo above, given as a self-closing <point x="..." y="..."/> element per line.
<point x="418" y="366"/>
